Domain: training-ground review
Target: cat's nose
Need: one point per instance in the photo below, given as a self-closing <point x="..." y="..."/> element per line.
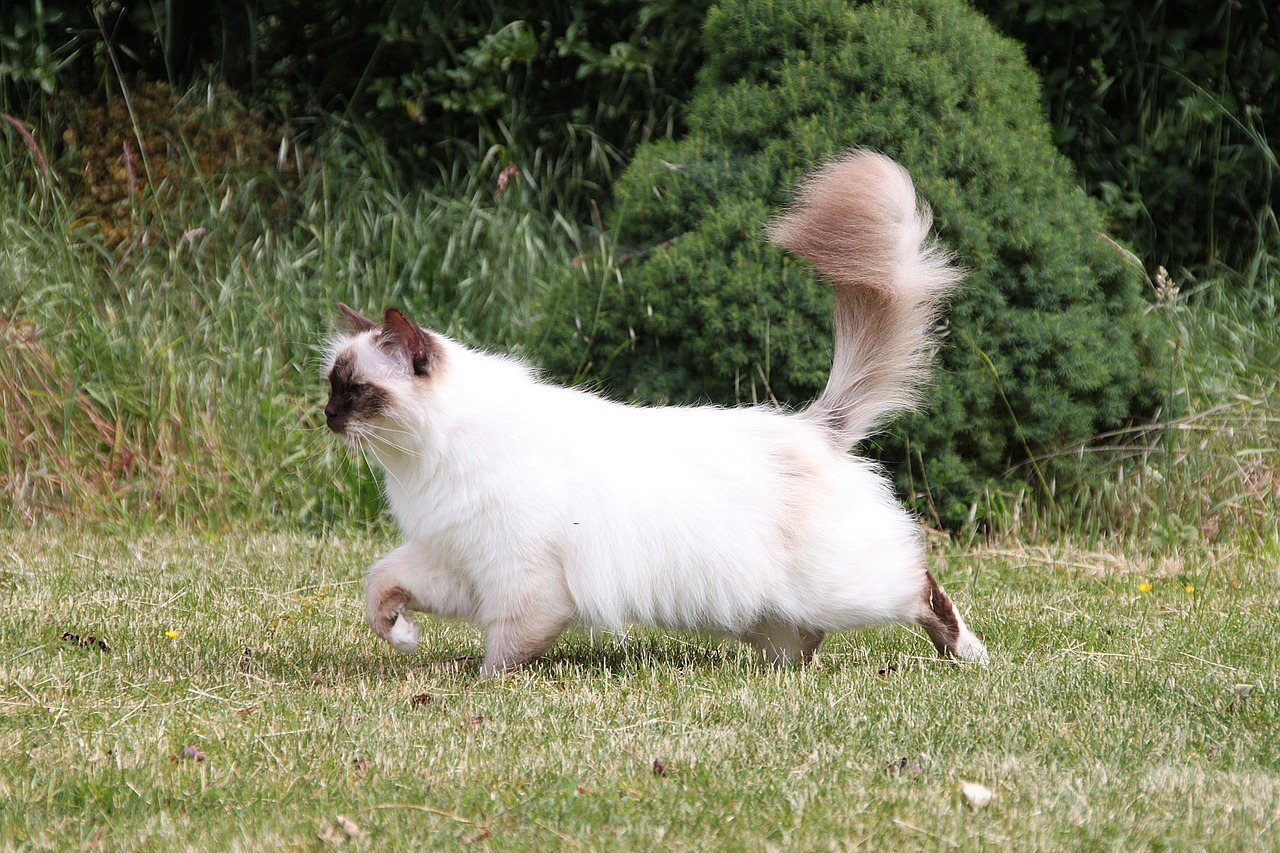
<point x="333" y="417"/>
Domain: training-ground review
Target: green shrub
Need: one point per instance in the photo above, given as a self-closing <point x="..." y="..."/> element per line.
<point x="1047" y="344"/>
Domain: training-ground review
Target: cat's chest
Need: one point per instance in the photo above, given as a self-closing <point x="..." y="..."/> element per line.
<point x="464" y="520"/>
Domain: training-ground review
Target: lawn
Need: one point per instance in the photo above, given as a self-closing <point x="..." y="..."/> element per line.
<point x="166" y="690"/>
<point x="172" y="676"/>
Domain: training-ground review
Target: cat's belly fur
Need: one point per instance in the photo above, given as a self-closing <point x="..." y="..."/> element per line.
<point x="724" y="551"/>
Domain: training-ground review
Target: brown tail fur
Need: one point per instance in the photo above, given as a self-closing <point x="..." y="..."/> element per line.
<point x="857" y="221"/>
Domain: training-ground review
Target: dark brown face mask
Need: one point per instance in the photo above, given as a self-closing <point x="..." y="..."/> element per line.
<point x="350" y="400"/>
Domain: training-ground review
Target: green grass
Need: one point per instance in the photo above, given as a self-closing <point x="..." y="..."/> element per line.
<point x="195" y="340"/>
<point x="1109" y="718"/>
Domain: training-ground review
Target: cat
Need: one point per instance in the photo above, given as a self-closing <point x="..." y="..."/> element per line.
<point x="527" y="507"/>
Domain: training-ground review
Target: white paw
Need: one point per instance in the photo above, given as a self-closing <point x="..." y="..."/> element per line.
<point x="404" y="635"/>
<point x="970" y="648"/>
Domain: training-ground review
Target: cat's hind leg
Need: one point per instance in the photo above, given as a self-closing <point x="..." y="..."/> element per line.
<point x="810" y="643"/>
<point x="941" y="620"/>
<point x="782" y="644"/>
<point x="785" y="645"/>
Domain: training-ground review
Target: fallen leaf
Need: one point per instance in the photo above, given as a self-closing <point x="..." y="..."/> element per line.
<point x="659" y="769"/>
<point x="902" y="765"/>
<point x="975" y="796"/>
<point x="421" y="699"/>
<point x="88" y="640"/>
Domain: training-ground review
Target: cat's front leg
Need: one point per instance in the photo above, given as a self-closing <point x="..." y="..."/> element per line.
<point x="387" y="598"/>
<point x="514" y="642"/>
<point x="531" y="613"/>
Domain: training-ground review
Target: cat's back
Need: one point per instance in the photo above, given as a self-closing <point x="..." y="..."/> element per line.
<point x="679" y="516"/>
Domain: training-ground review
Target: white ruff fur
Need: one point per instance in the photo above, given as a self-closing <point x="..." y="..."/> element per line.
<point x="527" y="507"/>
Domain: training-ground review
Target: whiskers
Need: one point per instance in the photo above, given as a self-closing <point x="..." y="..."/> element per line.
<point x="374" y="443"/>
<point x="385" y="435"/>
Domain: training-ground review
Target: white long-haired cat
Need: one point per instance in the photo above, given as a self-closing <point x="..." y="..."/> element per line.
<point x="527" y="507"/>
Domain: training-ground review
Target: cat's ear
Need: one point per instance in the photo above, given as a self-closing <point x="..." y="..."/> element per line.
<point x="418" y="344"/>
<point x="353" y="322"/>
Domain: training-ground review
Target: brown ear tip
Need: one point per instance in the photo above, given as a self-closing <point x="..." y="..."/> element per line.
<point x="350" y="320"/>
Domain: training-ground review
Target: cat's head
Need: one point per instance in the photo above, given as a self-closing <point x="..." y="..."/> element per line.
<point x="374" y="370"/>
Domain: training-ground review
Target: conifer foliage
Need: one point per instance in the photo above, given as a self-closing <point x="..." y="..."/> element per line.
<point x="1048" y="343"/>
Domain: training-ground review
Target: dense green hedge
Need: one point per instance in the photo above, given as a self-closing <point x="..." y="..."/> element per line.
<point x="1048" y="343"/>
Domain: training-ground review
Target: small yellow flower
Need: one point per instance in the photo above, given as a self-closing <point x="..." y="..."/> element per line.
<point x="1144" y="587"/>
<point x="1190" y="588"/>
<point x="171" y="634"/>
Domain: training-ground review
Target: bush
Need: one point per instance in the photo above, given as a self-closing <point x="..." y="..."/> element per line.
<point x="1047" y="344"/>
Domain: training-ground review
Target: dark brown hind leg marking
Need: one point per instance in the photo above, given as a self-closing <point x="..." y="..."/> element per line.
<point x="938" y="617"/>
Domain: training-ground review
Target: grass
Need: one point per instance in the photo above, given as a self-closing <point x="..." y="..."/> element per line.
<point x="186" y="313"/>
<point x="1207" y="471"/>
<point x="222" y="692"/>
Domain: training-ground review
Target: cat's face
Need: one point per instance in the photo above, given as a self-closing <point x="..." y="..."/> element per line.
<point x="372" y="366"/>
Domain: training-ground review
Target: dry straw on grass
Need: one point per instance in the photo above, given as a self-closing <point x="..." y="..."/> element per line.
<point x="57" y="446"/>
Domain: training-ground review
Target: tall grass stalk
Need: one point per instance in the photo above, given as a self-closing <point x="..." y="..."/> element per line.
<point x="195" y="339"/>
<point x="1206" y="473"/>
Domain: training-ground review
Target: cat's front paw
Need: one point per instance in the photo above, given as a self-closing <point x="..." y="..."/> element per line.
<point x="403" y="635"/>
<point x="386" y="612"/>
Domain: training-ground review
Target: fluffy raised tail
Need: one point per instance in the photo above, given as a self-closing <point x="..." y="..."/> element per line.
<point x="857" y="221"/>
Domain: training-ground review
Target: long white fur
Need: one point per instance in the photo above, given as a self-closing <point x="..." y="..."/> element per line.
<point x="516" y="497"/>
